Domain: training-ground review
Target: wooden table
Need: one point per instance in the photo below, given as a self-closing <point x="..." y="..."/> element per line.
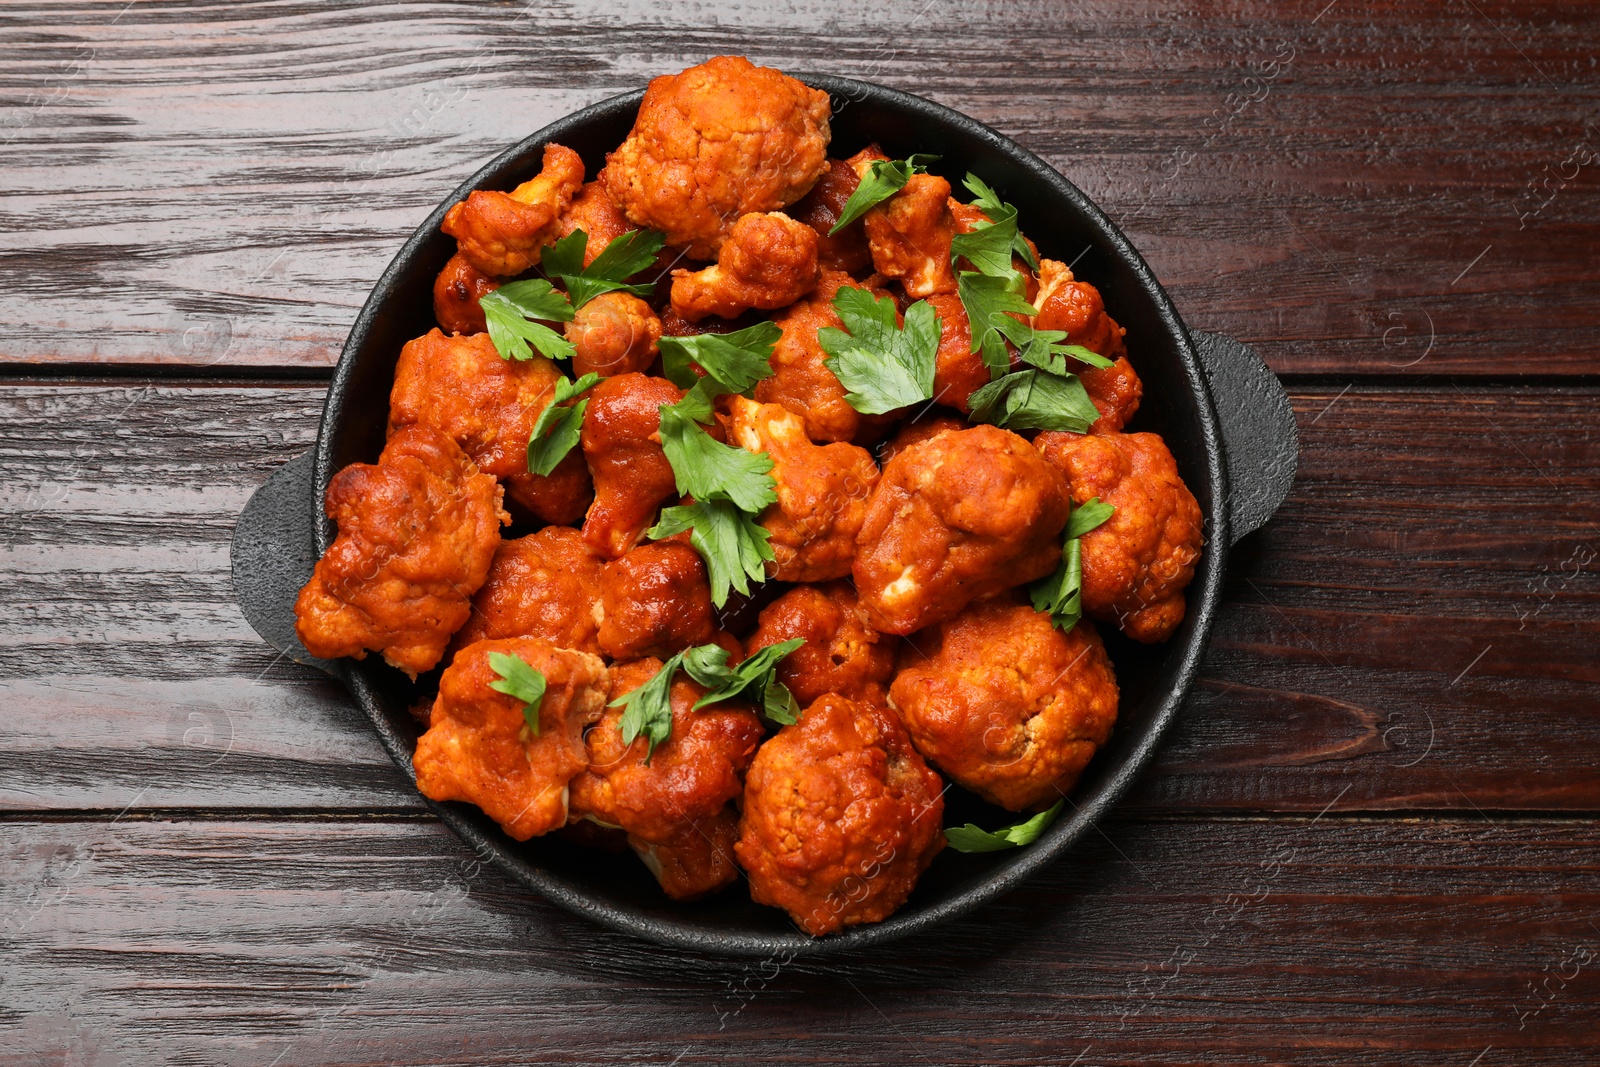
<point x="1374" y="836"/>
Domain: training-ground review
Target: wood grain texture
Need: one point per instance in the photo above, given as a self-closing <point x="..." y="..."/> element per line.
<point x="1416" y="629"/>
<point x="1357" y="187"/>
<point x="1335" y="941"/>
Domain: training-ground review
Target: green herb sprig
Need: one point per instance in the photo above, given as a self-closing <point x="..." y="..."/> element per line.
<point x="972" y="838"/>
<point x="560" y="424"/>
<point x="884" y="178"/>
<point x="622" y="258"/>
<point x="1060" y="595"/>
<point x="518" y="679"/>
<point x="884" y="366"/>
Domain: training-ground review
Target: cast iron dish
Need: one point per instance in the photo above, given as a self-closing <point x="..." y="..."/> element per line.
<point x="1224" y="415"/>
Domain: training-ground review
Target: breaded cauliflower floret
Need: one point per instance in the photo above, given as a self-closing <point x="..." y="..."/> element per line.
<point x="675" y="807"/>
<point x="959" y="517"/>
<point x="821" y="208"/>
<point x="615" y="333"/>
<point x="822" y="492"/>
<point x="842" y="654"/>
<point x="1006" y="704"/>
<point x="1076" y="307"/>
<point x="698" y="860"/>
<point x="655" y="602"/>
<point x="621" y="441"/>
<point x="461" y="386"/>
<point x="417" y="532"/>
<point x="456" y="292"/>
<point x="841" y="816"/>
<point x="715" y="142"/>
<point x="502" y="234"/>
<point x="592" y="211"/>
<point x="768" y="261"/>
<point x="544" y="585"/>
<point x="479" y="748"/>
<point x="1138" y="562"/>
<point x="909" y="234"/>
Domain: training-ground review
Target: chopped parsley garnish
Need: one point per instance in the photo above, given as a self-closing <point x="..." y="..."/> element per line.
<point x="648" y="709"/>
<point x="517" y="679"/>
<point x="734" y="547"/>
<point x="509" y="312"/>
<point x="707" y="469"/>
<point x="989" y="202"/>
<point x="730" y="486"/>
<point x="885" y="177"/>
<point x="754" y="676"/>
<point x="1059" y="595"/>
<point x="559" y="425"/>
<point x="990" y="302"/>
<point x="885" y="367"/>
<point x="622" y="258"/>
<point x="1034" y="400"/>
<point x="738" y="360"/>
<point x="971" y="838"/>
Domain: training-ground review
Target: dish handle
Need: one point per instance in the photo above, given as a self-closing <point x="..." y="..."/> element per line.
<point x="273" y="554"/>
<point x="1261" y="443"/>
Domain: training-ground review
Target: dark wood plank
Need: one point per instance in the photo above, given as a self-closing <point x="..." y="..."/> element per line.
<point x="1358" y="187"/>
<point x="1335" y="941"/>
<point x="1415" y="630"/>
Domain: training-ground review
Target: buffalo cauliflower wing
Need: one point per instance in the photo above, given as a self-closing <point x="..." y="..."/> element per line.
<point x="698" y="860"/>
<point x="621" y="441"/>
<point x="614" y="334"/>
<point x="909" y="234"/>
<point x="671" y="806"/>
<point x="417" y="532"/>
<point x="1076" y="307"/>
<point x="479" y="747"/>
<point x="768" y="261"/>
<point x="842" y="654"/>
<point x="715" y="142"/>
<point x="841" y="816"/>
<point x="455" y="296"/>
<point x="821" y="209"/>
<point x="822" y="492"/>
<point x="461" y="387"/>
<point x="502" y="234"/>
<point x="961" y="516"/>
<point x="544" y="585"/>
<point x="1138" y="562"/>
<point x="655" y="601"/>
<point x="1005" y="703"/>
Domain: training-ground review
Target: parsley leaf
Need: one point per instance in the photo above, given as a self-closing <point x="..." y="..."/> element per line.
<point x="885" y="367"/>
<point x="707" y="664"/>
<point x="709" y="470"/>
<point x="730" y="542"/>
<point x="508" y="311"/>
<point x="622" y="258"/>
<point x="1043" y="348"/>
<point x="758" y="673"/>
<point x="517" y="679"/>
<point x="971" y="838"/>
<point x="988" y="248"/>
<point x="1034" y="400"/>
<point x="1059" y="595"/>
<point x="738" y="360"/>
<point x="648" y="709"/>
<point x="990" y="302"/>
<point x="559" y="425"/>
<point x="884" y="178"/>
<point x="1089" y="516"/>
<point x="780" y="705"/>
<point x="989" y="202"/>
